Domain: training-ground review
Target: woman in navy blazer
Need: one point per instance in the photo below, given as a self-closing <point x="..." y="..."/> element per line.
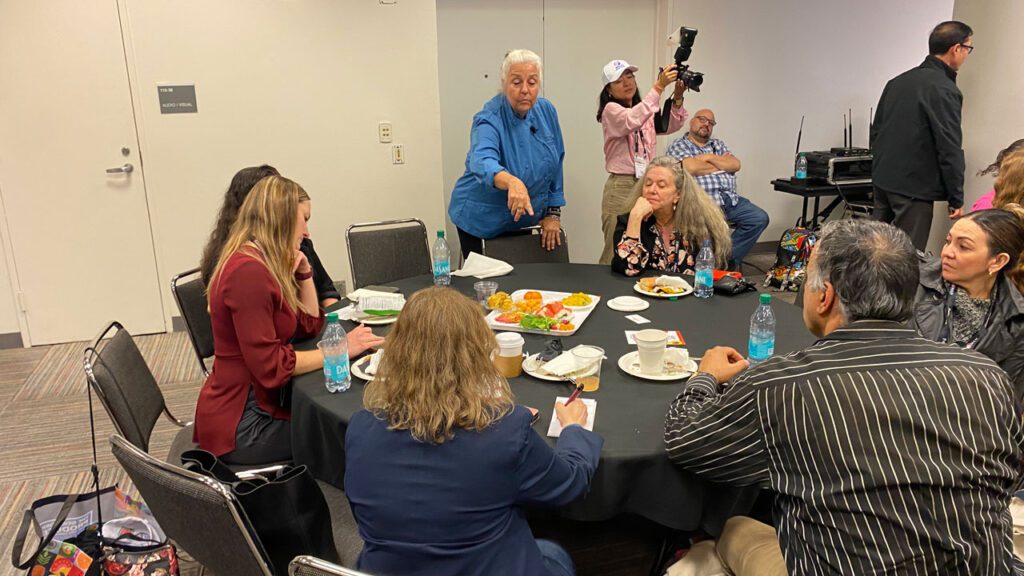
<point x="439" y="464"/>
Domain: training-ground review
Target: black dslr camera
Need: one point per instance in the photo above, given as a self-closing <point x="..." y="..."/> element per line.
<point x="692" y="79"/>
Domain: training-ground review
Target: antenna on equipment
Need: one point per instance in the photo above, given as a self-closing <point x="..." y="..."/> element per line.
<point x="851" y="127"/>
<point x="799" y="135"/>
<point x="844" y="130"/>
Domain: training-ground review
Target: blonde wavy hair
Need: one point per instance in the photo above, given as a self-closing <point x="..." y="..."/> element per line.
<point x="697" y="216"/>
<point x="1009" y="183"/>
<point x="267" y="218"/>
<point x="437" y="373"/>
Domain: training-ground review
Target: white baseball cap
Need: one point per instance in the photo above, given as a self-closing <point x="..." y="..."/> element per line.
<point x="614" y="69"/>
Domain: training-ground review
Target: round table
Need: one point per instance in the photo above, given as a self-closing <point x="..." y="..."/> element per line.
<point x="634" y="475"/>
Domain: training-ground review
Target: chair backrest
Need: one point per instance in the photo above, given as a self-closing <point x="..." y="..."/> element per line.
<point x="190" y="294"/>
<point x="312" y="566"/>
<point x="523" y="247"/>
<point x="117" y="372"/>
<point x="381" y="252"/>
<point x="200" y="514"/>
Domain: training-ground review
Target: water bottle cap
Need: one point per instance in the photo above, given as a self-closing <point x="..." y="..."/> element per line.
<point x="766" y="298"/>
<point x="332" y="317"/>
<point x="440" y="233"/>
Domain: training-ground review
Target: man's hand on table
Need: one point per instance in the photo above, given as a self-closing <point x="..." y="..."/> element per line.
<point x="723" y="362"/>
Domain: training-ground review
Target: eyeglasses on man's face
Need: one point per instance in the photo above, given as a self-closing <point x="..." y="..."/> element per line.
<point x="706" y="121"/>
<point x="969" y="47"/>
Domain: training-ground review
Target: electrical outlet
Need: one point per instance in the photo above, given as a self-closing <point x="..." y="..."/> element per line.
<point x="384" y="132"/>
<point x="398" y="154"/>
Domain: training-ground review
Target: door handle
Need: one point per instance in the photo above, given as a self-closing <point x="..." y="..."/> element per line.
<point x="126" y="169"/>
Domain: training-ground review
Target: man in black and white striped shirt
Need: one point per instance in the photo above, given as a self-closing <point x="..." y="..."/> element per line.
<point x="888" y="453"/>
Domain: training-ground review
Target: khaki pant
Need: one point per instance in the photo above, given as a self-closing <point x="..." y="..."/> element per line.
<point x="747" y="546"/>
<point x="617" y="189"/>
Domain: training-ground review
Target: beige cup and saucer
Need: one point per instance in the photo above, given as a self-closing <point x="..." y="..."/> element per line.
<point x="654" y="360"/>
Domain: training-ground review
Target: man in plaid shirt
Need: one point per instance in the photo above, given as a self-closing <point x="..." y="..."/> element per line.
<point x="715" y="168"/>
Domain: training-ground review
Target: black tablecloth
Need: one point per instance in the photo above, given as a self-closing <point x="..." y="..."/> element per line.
<point x="635" y="474"/>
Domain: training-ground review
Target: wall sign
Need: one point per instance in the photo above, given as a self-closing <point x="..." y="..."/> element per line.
<point x="178" y="99"/>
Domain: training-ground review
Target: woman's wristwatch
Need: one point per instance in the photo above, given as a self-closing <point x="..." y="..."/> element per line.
<point x="553" y="212"/>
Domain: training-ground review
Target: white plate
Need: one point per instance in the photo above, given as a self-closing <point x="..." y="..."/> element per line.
<point x="628" y="304"/>
<point x="358" y="367"/>
<point x="376" y="320"/>
<point x="530" y="367"/>
<point x="630" y="364"/>
<point x="686" y="291"/>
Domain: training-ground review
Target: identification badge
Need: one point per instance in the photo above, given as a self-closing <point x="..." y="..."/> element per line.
<point x="639" y="167"/>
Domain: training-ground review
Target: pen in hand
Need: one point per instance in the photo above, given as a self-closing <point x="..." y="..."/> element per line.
<point x="575" y="394"/>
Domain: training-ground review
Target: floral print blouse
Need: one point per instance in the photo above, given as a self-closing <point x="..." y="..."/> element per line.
<point x="677" y="257"/>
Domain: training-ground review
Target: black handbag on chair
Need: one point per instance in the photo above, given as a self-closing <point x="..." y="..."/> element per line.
<point x="286" y="508"/>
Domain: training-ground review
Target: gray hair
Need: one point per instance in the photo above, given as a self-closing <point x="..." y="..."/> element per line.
<point x="697" y="216"/>
<point x="521" y="56"/>
<point x="872" y="266"/>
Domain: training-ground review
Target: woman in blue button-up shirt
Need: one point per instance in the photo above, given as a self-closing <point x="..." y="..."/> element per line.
<point x="513" y="173"/>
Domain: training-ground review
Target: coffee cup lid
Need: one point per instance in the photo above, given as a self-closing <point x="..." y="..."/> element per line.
<point x="509" y="338"/>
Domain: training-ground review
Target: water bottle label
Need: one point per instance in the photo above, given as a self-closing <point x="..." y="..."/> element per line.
<point x="761" y="349"/>
<point x="801" y="174"/>
<point x="340" y="370"/>
<point x="704" y="278"/>
<point x="441" y="268"/>
<point x="336" y="369"/>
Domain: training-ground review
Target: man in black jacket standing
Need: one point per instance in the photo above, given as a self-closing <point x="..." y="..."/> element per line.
<point x="916" y="137"/>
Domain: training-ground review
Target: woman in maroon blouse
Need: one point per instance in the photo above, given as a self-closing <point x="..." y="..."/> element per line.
<point x="261" y="296"/>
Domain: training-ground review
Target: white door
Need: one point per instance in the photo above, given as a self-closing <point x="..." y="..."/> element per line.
<point x="80" y="236"/>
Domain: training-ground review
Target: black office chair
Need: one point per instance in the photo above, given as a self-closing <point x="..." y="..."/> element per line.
<point x="190" y="294"/>
<point x="387" y="251"/>
<point x="523" y="247"/>
<point x="117" y="372"/>
<point x="311" y="566"/>
<point x="200" y="514"/>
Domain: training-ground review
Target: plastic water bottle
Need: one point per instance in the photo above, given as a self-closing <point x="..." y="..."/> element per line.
<point x="334" y="346"/>
<point x="762" y="332"/>
<point x="801" y="167"/>
<point x="704" y="272"/>
<point x="442" y="256"/>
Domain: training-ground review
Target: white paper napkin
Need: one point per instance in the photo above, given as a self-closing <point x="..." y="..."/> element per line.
<point x="560" y="365"/>
<point x="374" y="364"/>
<point x="555" y="428"/>
<point x="481" y="266"/>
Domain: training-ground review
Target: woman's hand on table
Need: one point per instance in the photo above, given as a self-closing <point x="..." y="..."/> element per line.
<point x="723" y="362"/>
<point x="550" y="233"/>
<point x="575" y="413"/>
<point x="361" y="339"/>
<point x="518" y="199"/>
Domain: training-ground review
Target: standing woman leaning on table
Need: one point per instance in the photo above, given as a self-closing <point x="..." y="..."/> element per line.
<point x="261" y="296"/>
<point x="630" y="125"/>
<point x="513" y="175"/>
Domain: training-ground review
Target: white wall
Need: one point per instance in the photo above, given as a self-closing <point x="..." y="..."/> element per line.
<point x="572" y="37"/>
<point x="299" y="85"/>
<point x="992" y="81"/>
<point x="8" y="312"/>
<point x="767" y="63"/>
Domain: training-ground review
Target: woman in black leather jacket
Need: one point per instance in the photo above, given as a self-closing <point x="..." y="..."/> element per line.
<point x="971" y="295"/>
